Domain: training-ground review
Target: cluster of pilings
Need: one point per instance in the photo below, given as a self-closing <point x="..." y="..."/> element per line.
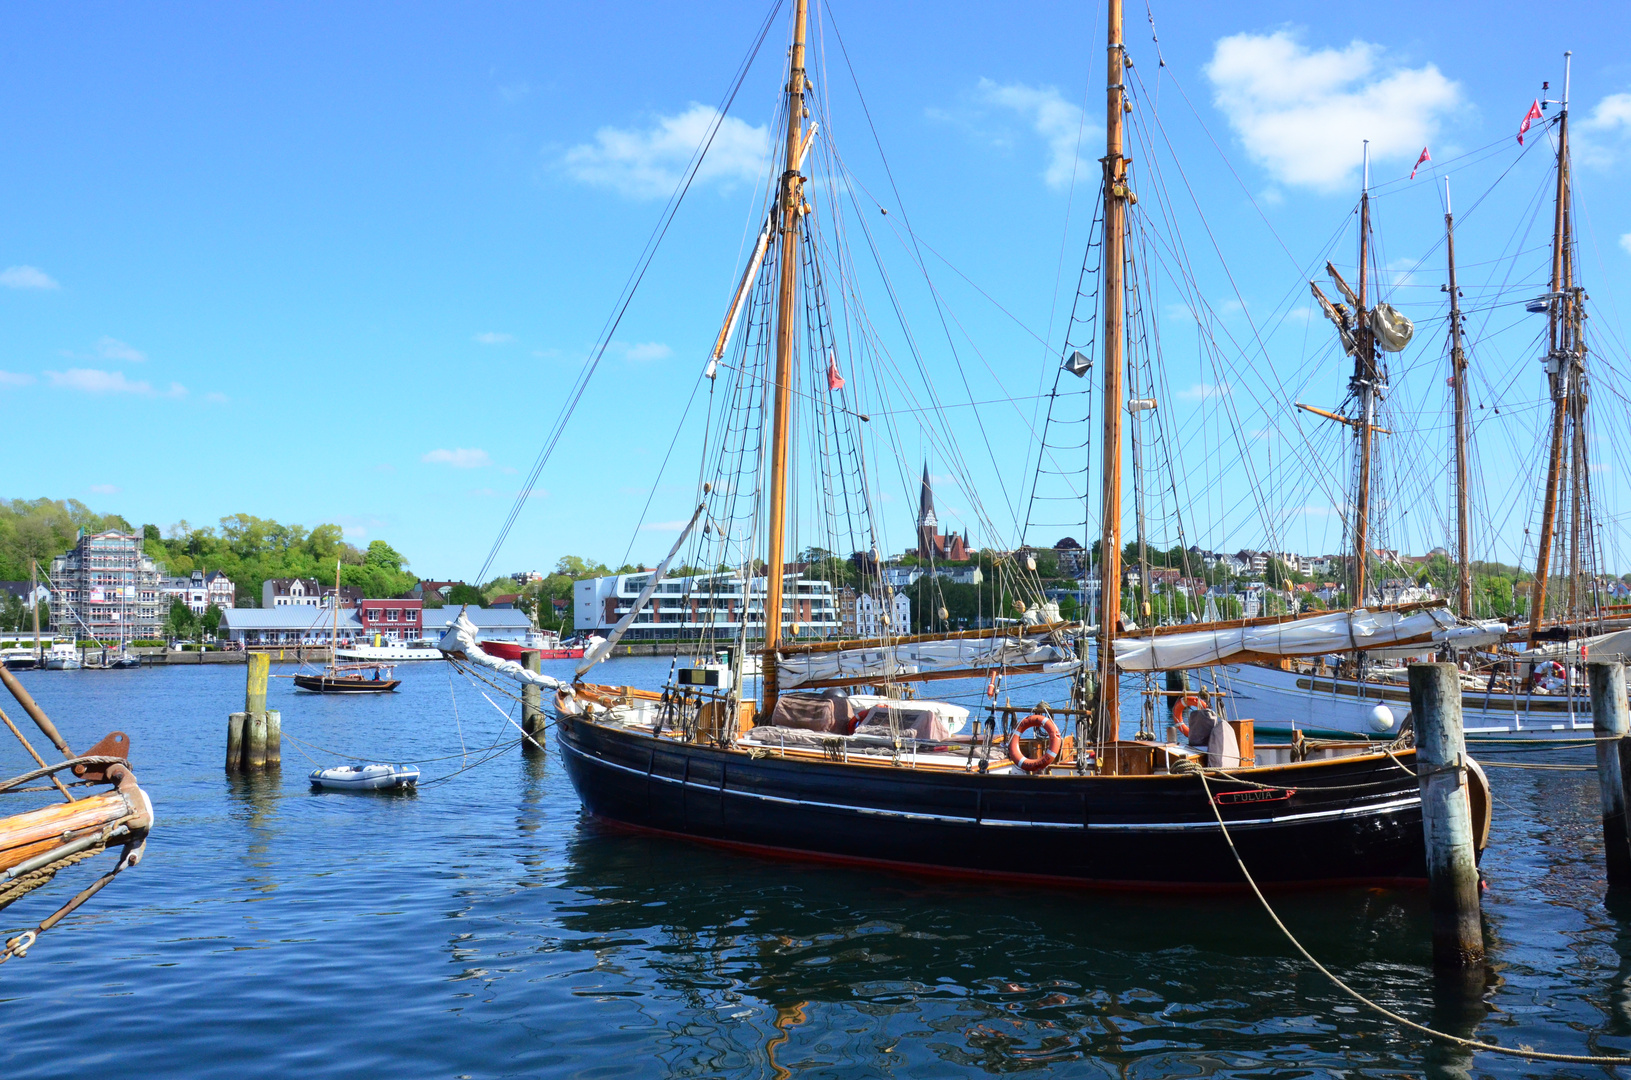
<point x="1441" y="753"/>
<point x="255" y="736"/>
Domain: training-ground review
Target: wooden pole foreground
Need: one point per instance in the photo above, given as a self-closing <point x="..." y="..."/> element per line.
<point x="1446" y="816"/>
<point x="274" y="739"/>
<point x="260" y="666"/>
<point x="1611" y="723"/>
<point x="235" y="741"/>
<point x="532" y="713"/>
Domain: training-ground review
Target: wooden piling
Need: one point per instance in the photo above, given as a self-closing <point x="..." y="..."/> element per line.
<point x="235" y="741"/>
<point x="1611" y="723"/>
<point x="255" y="742"/>
<point x="532" y="713"/>
<point x="260" y="666"/>
<point x="274" y="739"/>
<point x="1446" y="816"/>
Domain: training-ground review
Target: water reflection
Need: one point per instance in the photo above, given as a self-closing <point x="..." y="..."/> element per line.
<point x="849" y="965"/>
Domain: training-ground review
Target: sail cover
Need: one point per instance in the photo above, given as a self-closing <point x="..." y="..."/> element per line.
<point x="877" y="660"/>
<point x="1406" y="632"/>
<point x="461" y="638"/>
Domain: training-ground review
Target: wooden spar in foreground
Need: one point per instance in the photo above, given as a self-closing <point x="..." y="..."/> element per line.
<point x="788" y="210"/>
<point x="1560" y="379"/>
<point x="1115" y="222"/>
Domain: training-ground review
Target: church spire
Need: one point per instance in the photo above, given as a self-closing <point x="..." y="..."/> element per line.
<point x="928" y="524"/>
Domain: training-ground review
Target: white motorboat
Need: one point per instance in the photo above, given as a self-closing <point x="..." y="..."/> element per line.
<point x="376" y="777"/>
<point x="394" y="653"/>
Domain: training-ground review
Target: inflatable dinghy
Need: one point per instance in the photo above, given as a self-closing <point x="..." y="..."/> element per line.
<point x="365" y="777"/>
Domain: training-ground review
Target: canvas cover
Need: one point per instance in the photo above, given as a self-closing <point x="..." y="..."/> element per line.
<point x="880" y="661"/>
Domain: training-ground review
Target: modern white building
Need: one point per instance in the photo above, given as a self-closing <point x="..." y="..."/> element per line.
<point x="689" y="606"/>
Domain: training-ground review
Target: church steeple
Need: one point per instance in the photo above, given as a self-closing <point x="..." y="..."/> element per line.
<point x="928" y="525"/>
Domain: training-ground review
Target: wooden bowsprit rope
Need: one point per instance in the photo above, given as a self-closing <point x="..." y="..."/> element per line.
<point x="1423" y="1029"/>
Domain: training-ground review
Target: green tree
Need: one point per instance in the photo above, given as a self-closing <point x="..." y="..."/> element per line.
<point x="210" y="621"/>
<point x="181" y="621"/>
<point x="462" y="594"/>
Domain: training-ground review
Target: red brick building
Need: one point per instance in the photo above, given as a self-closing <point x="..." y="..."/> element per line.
<point x="932" y="544"/>
<point x="392" y="620"/>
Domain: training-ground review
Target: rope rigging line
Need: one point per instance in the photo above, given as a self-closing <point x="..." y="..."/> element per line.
<point x="1422" y="1029"/>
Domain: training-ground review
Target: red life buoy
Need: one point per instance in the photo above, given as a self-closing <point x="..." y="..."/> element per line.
<point x="1555" y="667"/>
<point x="1044" y="759"/>
<point x="1178" y="707"/>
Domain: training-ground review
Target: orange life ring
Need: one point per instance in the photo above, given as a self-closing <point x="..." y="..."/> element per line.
<point x="1556" y="667"/>
<point x="1179" y="706"/>
<point x="1044" y="759"/>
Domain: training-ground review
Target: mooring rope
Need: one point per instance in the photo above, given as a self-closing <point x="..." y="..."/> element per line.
<point x="1443" y="1036"/>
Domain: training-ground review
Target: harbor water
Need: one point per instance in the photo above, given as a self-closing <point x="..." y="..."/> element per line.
<point x="484" y="927"/>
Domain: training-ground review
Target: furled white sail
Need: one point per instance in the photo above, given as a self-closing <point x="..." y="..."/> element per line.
<point x="1335" y="632"/>
<point x="461" y="638"/>
<point x="908" y="658"/>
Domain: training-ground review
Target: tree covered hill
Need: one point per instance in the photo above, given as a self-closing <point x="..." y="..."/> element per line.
<point x="248" y="549"/>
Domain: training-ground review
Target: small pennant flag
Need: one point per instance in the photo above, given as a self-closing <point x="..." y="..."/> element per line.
<point x="1532" y="114"/>
<point x="835" y="381"/>
<point x="1425" y="156"/>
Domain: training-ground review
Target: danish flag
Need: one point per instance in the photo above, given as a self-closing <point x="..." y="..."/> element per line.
<point x="835" y="381"/>
<point x="1532" y="114"/>
<point x="1425" y="156"/>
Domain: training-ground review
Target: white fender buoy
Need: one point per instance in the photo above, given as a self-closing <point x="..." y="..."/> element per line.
<point x="1381" y="719"/>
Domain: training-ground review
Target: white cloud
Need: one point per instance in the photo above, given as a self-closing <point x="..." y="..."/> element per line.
<point x="109" y="348"/>
<point x="649" y="350"/>
<point x="493" y="337"/>
<point x="215" y="397"/>
<point x="459" y="459"/>
<point x="94" y="381"/>
<point x="27" y="277"/>
<point x="1052" y="117"/>
<point x="1205" y="391"/>
<point x="104" y="489"/>
<point x="13" y="378"/>
<point x="649" y="164"/>
<point x="1603" y="135"/>
<point x="1625" y="242"/>
<point x="1302" y="114"/>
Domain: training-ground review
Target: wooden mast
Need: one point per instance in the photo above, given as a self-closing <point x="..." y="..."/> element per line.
<point x="1558" y="374"/>
<point x="791" y="200"/>
<point x="1458" y="378"/>
<point x="1364" y="382"/>
<point x="1115" y="195"/>
<point x="334" y="639"/>
<point x="34" y="602"/>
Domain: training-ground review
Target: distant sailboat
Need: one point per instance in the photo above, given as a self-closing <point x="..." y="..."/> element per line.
<point x="337" y="678"/>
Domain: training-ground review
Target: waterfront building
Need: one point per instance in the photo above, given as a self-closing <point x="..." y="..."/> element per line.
<point x="190" y="590"/>
<point x="291" y="592"/>
<point x="426" y="590"/>
<point x="220" y="590"/>
<point x="287" y="625"/>
<point x="689" y="606"/>
<point x="869" y="611"/>
<point x="395" y="619"/>
<point x="492" y="624"/>
<point x="107" y="588"/>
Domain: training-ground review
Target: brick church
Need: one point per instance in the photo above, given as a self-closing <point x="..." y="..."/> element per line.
<point x="933" y="545"/>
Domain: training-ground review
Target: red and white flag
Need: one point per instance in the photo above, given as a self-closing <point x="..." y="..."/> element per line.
<point x="1425" y="156"/>
<point x="1533" y="114"/>
<point x="835" y="381"/>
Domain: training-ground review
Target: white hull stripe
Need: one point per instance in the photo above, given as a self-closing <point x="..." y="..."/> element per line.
<point x="953" y="819"/>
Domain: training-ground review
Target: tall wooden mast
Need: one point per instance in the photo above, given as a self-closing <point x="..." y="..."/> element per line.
<point x="1115" y="209"/>
<point x="1364" y="384"/>
<point x="789" y="207"/>
<point x="1558" y="368"/>
<point x="1458" y="379"/>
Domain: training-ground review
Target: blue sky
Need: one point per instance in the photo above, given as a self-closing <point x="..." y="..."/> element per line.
<point x="339" y="262"/>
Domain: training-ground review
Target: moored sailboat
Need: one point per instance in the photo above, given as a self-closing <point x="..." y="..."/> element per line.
<point x="836" y="760"/>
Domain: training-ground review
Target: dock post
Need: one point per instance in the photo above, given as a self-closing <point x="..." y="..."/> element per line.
<point x="255" y="742"/>
<point x="274" y="739"/>
<point x="1446" y="816"/>
<point x="532" y="713"/>
<point x="235" y="741"/>
<point x="251" y="731"/>
<point x="1610" y="723"/>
